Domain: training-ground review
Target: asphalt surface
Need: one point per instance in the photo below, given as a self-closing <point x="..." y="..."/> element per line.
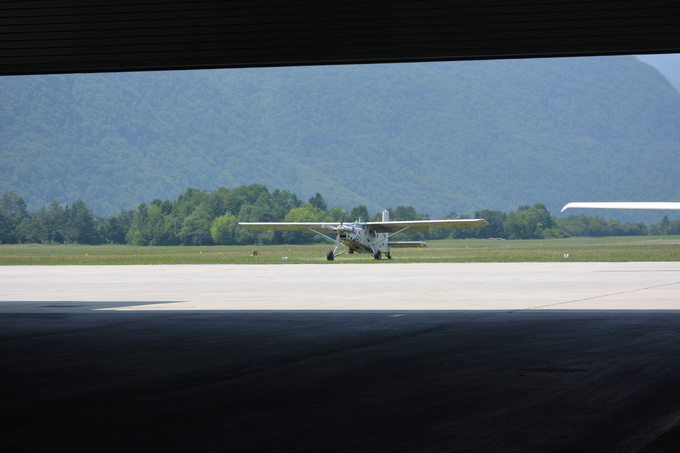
<point x="89" y="369"/>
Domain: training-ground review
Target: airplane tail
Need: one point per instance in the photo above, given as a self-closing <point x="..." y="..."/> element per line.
<point x="407" y="244"/>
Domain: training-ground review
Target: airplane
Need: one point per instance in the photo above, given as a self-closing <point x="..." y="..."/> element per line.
<point x="623" y="205"/>
<point x="366" y="237"/>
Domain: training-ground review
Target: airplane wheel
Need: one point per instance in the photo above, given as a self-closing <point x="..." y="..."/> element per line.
<point x="377" y="254"/>
<point x="329" y="255"/>
<point x="351" y="251"/>
<point x="389" y="256"/>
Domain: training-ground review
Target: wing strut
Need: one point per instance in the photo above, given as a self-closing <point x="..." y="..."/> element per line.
<point x="321" y="234"/>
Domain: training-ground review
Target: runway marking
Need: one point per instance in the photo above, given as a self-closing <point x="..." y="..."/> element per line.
<point x="604" y="295"/>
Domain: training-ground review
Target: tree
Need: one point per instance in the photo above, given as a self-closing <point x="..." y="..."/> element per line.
<point x="335" y="214"/>
<point x="196" y="228"/>
<point x="282" y="202"/>
<point x="7" y="229"/>
<point x="187" y="203"/>
<point x="530" y="223"/>
<point x="598" y="226"/>
<point x="159" y="227"/>
<point x="615" y="228"/>
<point x="82" y="224"/>
<point x="574" y="225"/>
<point x="306" y="213"/>
<point x="359" y="212"/>
<point x="114" y="227"/>
<point x="223" y="229"/>
<point x="635" y="229"/>
<point x="663" y="226"/>
<point x="318" y="202"/>
<point x="137" y="234"/>
<point x="13" y="205"/>
<point x="495" y="228"/>
<point x="13" y="211"/>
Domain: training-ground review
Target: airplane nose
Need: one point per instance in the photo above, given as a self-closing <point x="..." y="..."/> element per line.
<point x="345" y="228"/>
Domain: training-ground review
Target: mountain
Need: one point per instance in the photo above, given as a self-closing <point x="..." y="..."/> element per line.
<point x="442" y="137"/>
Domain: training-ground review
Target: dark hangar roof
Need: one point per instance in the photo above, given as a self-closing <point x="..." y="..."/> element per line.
<point x="82" y="36"/>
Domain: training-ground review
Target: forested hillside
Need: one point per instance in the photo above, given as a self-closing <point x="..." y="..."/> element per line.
<point x="457" y="136"/>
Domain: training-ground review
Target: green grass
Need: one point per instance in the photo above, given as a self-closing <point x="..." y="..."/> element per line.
<point x="608" y="249"/>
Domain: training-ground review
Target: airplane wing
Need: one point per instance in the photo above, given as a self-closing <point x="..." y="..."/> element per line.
<point x="305" y="227"/>
<point x="424" y="225"/>
<point x="379" y="227"/>
<point x="624" y="205"/>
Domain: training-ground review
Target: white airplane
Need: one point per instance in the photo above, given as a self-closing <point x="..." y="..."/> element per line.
<point x="367" y="237"/>
<point x="623" y="205"/>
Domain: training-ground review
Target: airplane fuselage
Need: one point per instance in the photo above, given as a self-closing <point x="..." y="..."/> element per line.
<point x="357" y="236"/>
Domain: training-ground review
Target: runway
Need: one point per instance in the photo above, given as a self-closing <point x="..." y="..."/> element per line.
<point x="384" y="357"/>
<point x="383" y="286"/>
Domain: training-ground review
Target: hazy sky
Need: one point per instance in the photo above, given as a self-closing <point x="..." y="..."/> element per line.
<point x="667" y="64"/>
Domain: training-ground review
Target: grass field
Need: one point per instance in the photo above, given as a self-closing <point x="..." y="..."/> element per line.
<point x="647" y="248"/>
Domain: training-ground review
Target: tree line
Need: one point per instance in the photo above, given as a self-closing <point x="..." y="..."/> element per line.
<point x="199" y="217"/>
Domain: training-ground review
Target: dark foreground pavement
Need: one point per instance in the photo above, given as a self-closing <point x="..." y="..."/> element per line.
<point x="340" y="381"/>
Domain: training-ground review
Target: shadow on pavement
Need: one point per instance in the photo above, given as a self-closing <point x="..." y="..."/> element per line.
<point x="339" y="380"/>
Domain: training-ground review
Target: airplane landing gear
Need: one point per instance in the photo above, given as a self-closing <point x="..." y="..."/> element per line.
<point x="376" y="255"/>
<point x="389" y="256"/>
<point x="329" y="255"/>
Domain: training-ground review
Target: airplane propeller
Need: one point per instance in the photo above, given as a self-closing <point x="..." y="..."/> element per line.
<point x="345" y="228"/>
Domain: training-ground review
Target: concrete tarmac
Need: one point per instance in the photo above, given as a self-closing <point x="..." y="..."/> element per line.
<point x="341" y="357"/>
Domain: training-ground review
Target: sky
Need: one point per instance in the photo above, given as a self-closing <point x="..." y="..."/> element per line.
<point x="667" y="64"/>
